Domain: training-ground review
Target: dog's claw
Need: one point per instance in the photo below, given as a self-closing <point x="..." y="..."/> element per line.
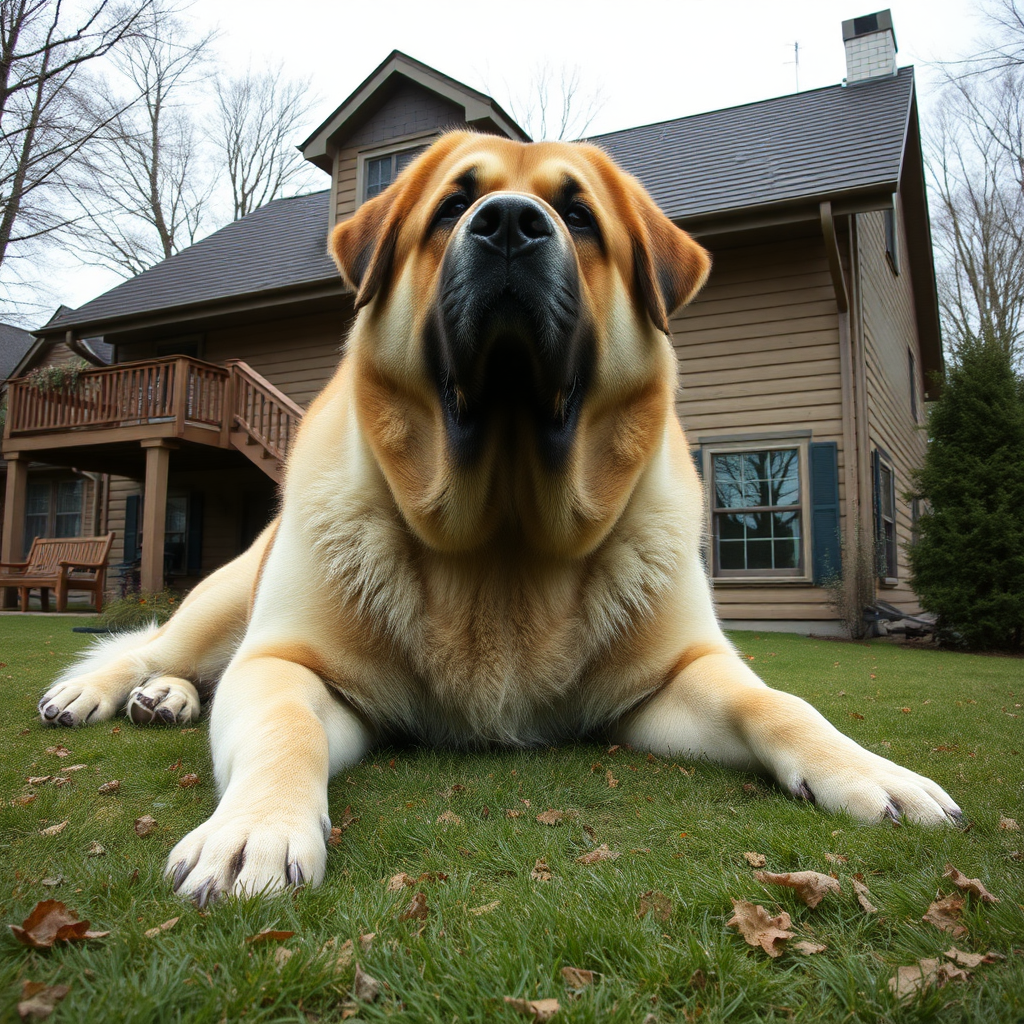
<point x="166" y="714"/>
<point x="206" y="893"/>
<point x="893" y="812"/>
<point x="295" y="875"/>
<point x="955" y="815"/>
<point x="51" y="711"/>
<point x="181" y="870"/>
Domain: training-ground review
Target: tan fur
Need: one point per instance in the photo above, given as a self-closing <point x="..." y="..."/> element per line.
<point x="493" y="602"/>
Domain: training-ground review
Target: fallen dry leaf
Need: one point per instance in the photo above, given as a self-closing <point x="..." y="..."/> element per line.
<point x="152" y="933"/>
<point x="538" y="1009"/>
<point x="38" y="780"/>
<point x="551" y="817"/>
<point x="541" y="872"/>
<point x="96" y="850"/>
<point x="810" y="886"/>
<point x="810" y="948"/>
<point x="51" y="882"/>
<point x="53" y="830"/>
<point x="1008" y="825"/>
<point x="510" y="813"/>
<point x="343" y="958"/>
<point x="61" y="780"/>
<point x="486" y="908"/>
<point x="110" y="787"/>
<point x="416" y="910"/>
<point x="598" y="855"/>
<point x="23" y="801"/>
<point x="945" y="914"/>
<point x="969" y="885"/>
<point x="655" y="903"/>
<point x="972" y="960"/>
<point x="51" y="921"/>
<point x="909" y="980"/>
<point x="863" y="897"/>
<point x="38" y="1000"/>
<point x="281" y="956"/>
<point x="396" y="883"/>
<point x="755" y="860"/>
<point x="576" y="978"/>
<point x="334" y="839"/>
<point x="269" y="935"/>
<point x="75" y="767"/>
<point x="610" y="779"/>
<point x="60" y="750"/>
<point x="365" y="989"/>
<point x="145" y="825"/>
<point x="448" y="818"/>
<point x="758" y="929"/>
<point x="189" y="780"/>
<point x="836" y="858"/>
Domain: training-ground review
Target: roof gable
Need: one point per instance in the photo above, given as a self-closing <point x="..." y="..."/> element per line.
<point x="398" y="70"/>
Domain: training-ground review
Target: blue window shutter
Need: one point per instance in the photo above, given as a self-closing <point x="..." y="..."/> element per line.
<point x="132" y="508"/>
<point x="194" y="543"/>
<point x="826" y="550"/>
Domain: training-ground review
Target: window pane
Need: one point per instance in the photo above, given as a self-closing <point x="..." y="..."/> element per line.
<point x="759" y="554"/>
<point x="887" y="488"/>
<point x="786" y="554"/>
<point x="728" y="481"/>
<point x="785" y="473"/>
<point x="731" y="527"/>
<point x="177" y="514"/>
<point x="760" y="526"/>
<point x="755" y="478"/>
<point x="69" y="496"/>
<point x="35" y="526"/>
<point x="731" y="554"/>
<point x="37" y="501"/>
<point x="378" y="175"/>
<point x="786" y="525"/>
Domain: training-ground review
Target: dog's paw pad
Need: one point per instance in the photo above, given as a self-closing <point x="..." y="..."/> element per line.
<point x="166" y="700"/>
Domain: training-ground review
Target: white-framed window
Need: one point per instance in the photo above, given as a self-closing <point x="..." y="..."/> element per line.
<point x="378" y="168"/>
<point x="758" y="509"/>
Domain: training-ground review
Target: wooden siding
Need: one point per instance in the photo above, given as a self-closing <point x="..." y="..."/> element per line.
<point x="759" y="354"/>
<point x="890" y="332"/>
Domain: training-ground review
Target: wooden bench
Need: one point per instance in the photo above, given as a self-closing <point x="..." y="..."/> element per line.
<point x="61" y="564"/>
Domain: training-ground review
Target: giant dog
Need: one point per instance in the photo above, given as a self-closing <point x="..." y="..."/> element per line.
<point x="491" y="529"/>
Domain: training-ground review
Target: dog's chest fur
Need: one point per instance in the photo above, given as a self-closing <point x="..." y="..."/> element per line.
<point x="502" y="645"/>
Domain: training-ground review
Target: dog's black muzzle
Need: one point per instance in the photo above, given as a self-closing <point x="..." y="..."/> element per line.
<point x="509" y="331"/>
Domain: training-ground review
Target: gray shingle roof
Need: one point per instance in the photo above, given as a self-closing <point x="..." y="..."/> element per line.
<point x="808" y="144"/>
<point x="14" y="343"/>
<point x="280" y="245"/>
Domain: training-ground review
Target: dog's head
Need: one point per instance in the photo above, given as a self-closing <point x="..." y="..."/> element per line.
<point x="511" y="362"/>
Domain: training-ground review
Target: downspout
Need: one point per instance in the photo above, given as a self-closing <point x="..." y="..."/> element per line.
<point x="848" y="380"/>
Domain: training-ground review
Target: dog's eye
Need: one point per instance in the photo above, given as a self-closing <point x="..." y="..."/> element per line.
<point x="453" y="207"/>
<point x="579" y="217"/>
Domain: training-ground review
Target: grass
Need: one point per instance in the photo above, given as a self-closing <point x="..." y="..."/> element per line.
<point x="681" y="830"/>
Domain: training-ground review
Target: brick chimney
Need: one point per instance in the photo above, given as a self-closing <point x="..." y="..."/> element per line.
<point x="870" y="47"/>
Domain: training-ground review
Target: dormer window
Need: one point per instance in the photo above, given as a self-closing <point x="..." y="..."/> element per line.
<point x="380" y="169"/>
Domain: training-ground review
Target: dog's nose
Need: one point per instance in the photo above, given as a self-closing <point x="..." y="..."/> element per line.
<point x="510" y="224"/>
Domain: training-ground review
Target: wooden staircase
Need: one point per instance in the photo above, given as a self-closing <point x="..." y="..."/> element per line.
<point x="261" y="421"/>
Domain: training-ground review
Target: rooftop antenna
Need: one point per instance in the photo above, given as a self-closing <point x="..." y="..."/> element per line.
<point x="796" y="64"/>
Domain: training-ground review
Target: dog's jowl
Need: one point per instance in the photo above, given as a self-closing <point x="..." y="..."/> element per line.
<point x="491" y="529"/>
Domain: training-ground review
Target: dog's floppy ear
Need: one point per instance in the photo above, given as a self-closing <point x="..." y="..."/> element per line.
<point x="364" y="246"/>
<point x="670" y="266"/>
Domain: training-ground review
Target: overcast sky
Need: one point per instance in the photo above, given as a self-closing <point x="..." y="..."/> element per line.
<point x="650" y="60"/>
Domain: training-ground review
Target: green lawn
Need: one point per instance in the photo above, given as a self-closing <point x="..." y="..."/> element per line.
<point x="681" y="830"/>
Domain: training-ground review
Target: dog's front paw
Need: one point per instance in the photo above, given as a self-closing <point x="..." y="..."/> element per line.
<point x="165" y="700"/>
<point x="245" y="852"/>
<point x="80" y="700"/>
<point x="873" y="789"/>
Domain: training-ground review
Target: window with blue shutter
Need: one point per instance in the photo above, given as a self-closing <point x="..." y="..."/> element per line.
<point x="826" y="545"/>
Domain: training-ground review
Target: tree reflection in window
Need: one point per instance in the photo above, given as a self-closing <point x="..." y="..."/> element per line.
<point x="757" y="513"/>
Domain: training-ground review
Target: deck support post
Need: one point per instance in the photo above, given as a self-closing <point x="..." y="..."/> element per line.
<point x="12" y="547"/>
<point x="154" y="514"/>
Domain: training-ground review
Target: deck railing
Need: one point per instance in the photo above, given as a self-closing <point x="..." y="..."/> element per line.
<point x="263" y="412"/>
<point x="176" y="388"/>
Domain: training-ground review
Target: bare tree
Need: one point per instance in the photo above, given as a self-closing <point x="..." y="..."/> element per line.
<point x="556" y="105"/>
<point x="143" y="188"/>
<point x="976" y="165"/>
<point x="45" y="53"/>
<point x="259" y="116"/>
